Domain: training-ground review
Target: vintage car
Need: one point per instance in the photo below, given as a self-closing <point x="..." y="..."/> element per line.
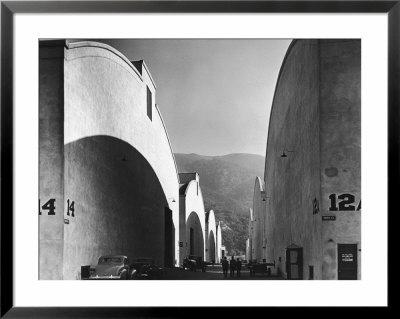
<point x="112" y="267"/>
<point x="146" y="269"/>
<point x="261" y="268"/>
<point x="193" y="262"/>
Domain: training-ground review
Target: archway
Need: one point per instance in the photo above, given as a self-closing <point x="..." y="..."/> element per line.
<point x="194" y="236"/>
<point x="119" y="204"/>
<point x="211" y="247"/>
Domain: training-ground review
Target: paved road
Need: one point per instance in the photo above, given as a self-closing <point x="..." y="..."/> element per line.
<point x="212" y="273"/>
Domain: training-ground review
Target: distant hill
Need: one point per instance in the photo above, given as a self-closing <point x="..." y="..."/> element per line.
<point x="227" y="184"/>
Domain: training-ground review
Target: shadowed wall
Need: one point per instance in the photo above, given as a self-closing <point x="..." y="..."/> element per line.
<point x="110" y="156"/>
<point x="315" y="119"/>
<point x="51" y="160"/>
<point x="119" y="204"/>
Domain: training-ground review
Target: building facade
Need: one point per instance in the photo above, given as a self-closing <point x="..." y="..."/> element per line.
<point x="199" y="233"/>
<point x="108" y="180"/>
<point x="218" y="247"/>
<point x="192" y="239"/>
<point x="313" y="163"/>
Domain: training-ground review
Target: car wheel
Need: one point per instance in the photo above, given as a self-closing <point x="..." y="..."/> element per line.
<point x="124" y="275"/>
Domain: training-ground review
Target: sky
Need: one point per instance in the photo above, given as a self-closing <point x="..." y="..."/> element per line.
<point x="214" y="95"/>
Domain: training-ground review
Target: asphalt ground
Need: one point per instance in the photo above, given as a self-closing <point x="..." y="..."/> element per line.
<point x="212" y="273"/>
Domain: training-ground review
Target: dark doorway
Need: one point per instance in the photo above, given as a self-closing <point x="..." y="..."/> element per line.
<point x="347" y="261"/>
<point x="191" y="241"/>
<point x="294" y="263"/>
<point x="168" y="239"/>
<point x="211" y="248"/>
<point x="311" y="272"/>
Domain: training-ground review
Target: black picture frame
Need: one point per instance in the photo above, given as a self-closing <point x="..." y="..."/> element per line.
<point x="9" y="8"/>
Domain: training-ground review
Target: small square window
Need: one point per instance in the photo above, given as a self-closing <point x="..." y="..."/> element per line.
<point x="149" y="103"/>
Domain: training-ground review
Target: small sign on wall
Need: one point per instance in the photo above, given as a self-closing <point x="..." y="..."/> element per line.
<point x="329" y="217"/>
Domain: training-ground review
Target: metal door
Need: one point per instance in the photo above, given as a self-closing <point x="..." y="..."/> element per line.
<point x="347" y="261"/>
<point x="294" y="263"/>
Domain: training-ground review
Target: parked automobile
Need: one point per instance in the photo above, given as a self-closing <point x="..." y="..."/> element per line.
<point x="261" y="268"/>
<point x="146" y="269"/>
<point x="113" y="267"/>
<point x="193" y="262"/>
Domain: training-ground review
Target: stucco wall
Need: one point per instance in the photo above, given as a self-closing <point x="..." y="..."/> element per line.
<point x="340" y="140"/>
<point x="211" y="237"/>
<point x="119" y="167"/>
<point x="51" y="160"/>
<point x="292" y="183"/>
<point x="248" y="256"/>
<point x="119" y="205"/>
<point x="219" y="243"/>
<point x="316" y="117"/>
<point x="258" y="220"/>
<point x="194" y="205"/>
<point x="249" y="246"/>
<point x="106" y="96"/>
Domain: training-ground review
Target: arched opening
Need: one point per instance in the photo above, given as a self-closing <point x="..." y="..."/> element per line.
<point x="211" y="247"/>
<point x="194" y="236"/>
<point x="120" y="206"/>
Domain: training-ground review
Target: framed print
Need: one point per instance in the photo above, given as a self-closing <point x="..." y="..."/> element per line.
<point x="158" y="155"/>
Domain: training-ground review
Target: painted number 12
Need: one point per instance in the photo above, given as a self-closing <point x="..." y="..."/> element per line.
<point x="343" y="202"/>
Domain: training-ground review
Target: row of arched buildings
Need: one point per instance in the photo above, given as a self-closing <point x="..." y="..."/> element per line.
<point x="108" y="181"/>
<point x="306" y="214"/>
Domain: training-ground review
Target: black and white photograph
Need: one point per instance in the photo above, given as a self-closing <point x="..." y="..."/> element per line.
<point x="199" y="159"/>
<point x="180" y="158"/>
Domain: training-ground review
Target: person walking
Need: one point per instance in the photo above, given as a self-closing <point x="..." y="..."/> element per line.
<point x="232" y="266"/>
<point x="238" y="266"/>
<point x="225" y="266"/>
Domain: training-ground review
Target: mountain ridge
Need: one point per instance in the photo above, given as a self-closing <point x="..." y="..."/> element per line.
<point x="227" y="183"/>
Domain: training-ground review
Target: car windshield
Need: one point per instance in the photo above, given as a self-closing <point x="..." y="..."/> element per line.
<point x="110" y="260"/>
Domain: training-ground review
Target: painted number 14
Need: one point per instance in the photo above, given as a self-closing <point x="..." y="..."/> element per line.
<point x="50" y="207"/>
<point x="70" y="208"/>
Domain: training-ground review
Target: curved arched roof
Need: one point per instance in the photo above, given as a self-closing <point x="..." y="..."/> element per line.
<point x="92" y="44"/>
<point x="210" y="217"/>
<point x="81" y="44"/>
<point x="289" y="50"/>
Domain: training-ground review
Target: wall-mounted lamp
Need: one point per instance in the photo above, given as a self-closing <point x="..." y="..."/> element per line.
<point x="285" y="150"/>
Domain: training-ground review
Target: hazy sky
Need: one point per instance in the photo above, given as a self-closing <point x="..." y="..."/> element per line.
<point x="214" y="95"/>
